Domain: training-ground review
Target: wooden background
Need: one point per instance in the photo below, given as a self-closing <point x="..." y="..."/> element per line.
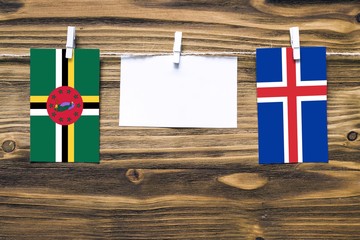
<point x="180" y="183"/>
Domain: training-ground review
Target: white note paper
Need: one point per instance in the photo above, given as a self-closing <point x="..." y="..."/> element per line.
<point x="200" y="92"/>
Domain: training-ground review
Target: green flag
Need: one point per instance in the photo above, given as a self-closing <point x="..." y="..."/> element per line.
<point x="64" y="106"/>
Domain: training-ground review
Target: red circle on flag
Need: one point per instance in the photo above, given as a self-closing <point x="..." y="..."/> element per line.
<point x="64" y="105"/>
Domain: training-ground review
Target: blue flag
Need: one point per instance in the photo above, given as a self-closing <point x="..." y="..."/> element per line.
<point x="291" y="97"/>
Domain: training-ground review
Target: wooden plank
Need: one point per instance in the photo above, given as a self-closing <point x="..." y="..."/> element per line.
<point x="102" y="200"/>
<point x="149" y="25"/>
<point x="179" y="183"/>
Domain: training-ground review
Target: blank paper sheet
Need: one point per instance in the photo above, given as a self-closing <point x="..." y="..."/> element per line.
<point x="200" y="92"/>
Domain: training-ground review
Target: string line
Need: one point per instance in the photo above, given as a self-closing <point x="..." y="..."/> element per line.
<point x="129" y="54"/>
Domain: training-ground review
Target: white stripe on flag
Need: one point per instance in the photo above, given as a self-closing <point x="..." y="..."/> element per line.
<point x="58" y="81"/>
<point x="38" y="112"/>
<point x="90" y="112"/>
<point x="312" y="83"/>
<point x="284" y="66"/>
<point x="58" y="142"/>
<point x="299" y="129"/>
<point x="286" y="130"/>
<point x="271" y="99"/>
<point x="270" y="84"/>
<point x="313" y="98"/>
<point x="298" y="73"/>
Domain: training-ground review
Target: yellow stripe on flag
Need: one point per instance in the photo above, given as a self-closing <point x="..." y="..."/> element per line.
<point x="71" y="74"/>
<point x="71" y="143"/>
<point x="94" y="99"/>
<point x="38" y="99"/>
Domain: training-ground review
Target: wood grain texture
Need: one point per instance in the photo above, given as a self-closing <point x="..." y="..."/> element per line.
<point x="168" y="183"/>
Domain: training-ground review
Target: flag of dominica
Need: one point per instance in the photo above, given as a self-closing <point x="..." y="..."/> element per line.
<point x="64" y="106"/>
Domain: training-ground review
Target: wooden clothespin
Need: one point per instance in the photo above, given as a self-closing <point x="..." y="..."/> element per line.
<point x="177" y="47"/>
<point x="70" y="43"/>
<point x="295" y="42"/>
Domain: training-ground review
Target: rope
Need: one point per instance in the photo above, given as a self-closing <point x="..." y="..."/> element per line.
<point x="127" y="54"/>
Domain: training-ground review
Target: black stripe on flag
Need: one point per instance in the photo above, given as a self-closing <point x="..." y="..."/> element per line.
<point x="37" y="105"/>
<point x="91" y="105"/>
<point x="64" y="68"/>
<point x="64" y="143"/>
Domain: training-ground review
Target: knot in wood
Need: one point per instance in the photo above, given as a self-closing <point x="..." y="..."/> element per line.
<point x="135" y="176"/>
<point x="8" y="146"/>
<point x="259" y="238"/>
<point x="358" y="18"/>
<point x="352" y="136"/>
